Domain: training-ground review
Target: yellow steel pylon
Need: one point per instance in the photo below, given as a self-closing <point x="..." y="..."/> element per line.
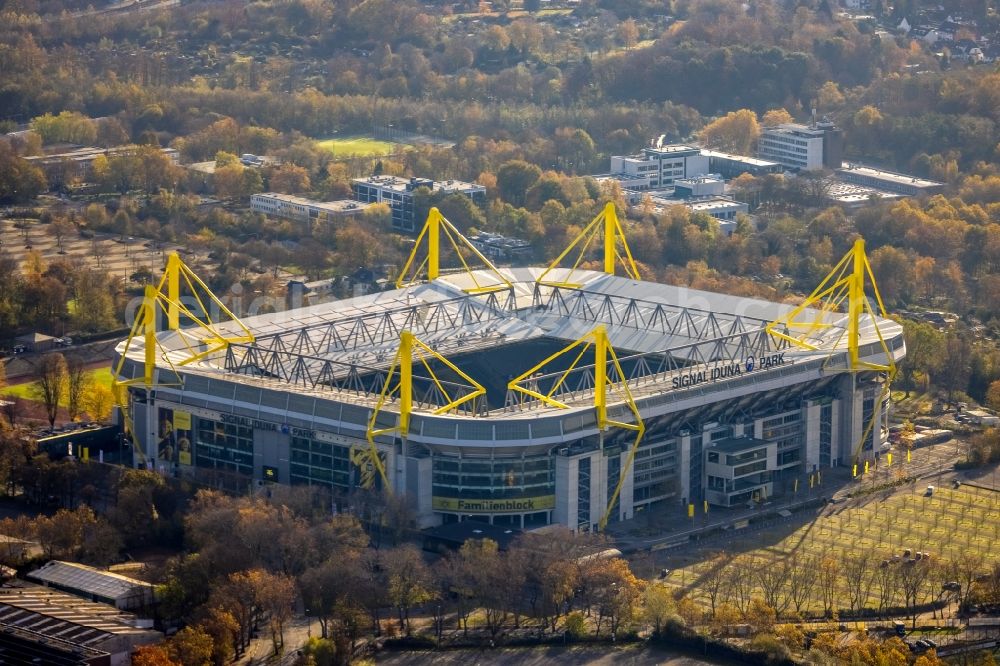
<point x="202" y="339"/>
<point x="399" y="384"/>
<point x="846" y="282"/>
<point x="436" y="226"/>
<point x="598" y="339"/>
<point x="606" y="225"/>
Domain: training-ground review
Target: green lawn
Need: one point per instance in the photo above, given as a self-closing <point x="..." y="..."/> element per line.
<point x="100" y="376"/>
<point x="358" y="146"/>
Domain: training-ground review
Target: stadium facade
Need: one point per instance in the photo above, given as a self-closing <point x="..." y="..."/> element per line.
<point x="732" y="413"/>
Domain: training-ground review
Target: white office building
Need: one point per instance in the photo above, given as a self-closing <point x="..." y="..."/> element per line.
<point x="297" y="208"/>
<point x="659" y="168"/>
<point x="802" y="147"/>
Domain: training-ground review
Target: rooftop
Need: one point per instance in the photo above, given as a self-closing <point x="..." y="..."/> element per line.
<point x="736" y="444"/>
<point x="850" y="193"/>
<point x="755" y="161"/>
<point x="330" y="350"/>
<point x="672" y="148"/>
<point x="65" y="616"/>
<point x="339" y="206"/>
<point x="87" y="153"/>
<point x="888" y="176"/>
<point x="400" y="184"/>
<point x="798" y="129"/>
<point x="74" y="576"/>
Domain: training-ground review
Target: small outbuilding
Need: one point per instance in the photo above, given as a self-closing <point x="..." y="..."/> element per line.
<point x="37" y="342"/>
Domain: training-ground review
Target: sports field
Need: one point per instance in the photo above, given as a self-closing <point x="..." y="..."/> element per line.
<point x="359" y="146"/>
<point x="949" y="525"/>
<point x="99" y="376"/>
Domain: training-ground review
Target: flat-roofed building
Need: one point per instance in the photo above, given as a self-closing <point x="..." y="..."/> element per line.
<point x="398" y="192"/>
<point x="890" y="181"/>
<point x="79" y="163"/>
<point x="299" y="208"/>
<point x="730" y="166"/>
<point x="100" y="633"/>
<point x="723" y="208"/>
<point x="802" y="147"/>
<point x="656" y="168"/>
<point x="501" y="248"/>
<point x="94" y="584"/>
<point x="853" y="196"/>
<point x="710" y="185"/>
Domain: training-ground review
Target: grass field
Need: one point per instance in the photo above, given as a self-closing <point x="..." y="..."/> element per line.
<point x="951" y="523"/>
<point x="359" y="146"/>
<point x="100" y="376"/>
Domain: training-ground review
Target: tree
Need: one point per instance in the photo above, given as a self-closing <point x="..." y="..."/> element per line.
<point x="223" y="629"/>
<point x="993" y="395"/>
<point x="913" y="576"/>
<point x="94" y="295"/>
<point x="954" y="363"/>
<point x="827" y="577"/>
<point x="60" y="228"/>
<point x="51" y="378"/>
<point x="191" y="646"/>
<point x="514" y="178"/>
<point x="859" y="577"/>
<point x="77" y="384"/>
<point x="612" y="590"/>
<point x="290" y="179"/>
<point x="67" y="127"/>
<point x="275" y="597"/>
<point x="628" y="32"/>
<point x="409" y="581"/>
<point x="772" y="580"/>
<point x="98" y="402"/>
<point x="776" y="117"/>
<point x="737" y="132"/>
<point x="923" y="345"/>
<point x="761" y="616"/>
<point x="658" y="606"/>
<point x="20" y="181"/>
<point x="153" y="655"/>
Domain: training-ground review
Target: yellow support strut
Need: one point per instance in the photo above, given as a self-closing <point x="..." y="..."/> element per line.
<point x="200" y="340"/>
<point x="436" y="226"/>
<point x="846" y="282"/>
<point x="598" y="339"/>
<point x="606" y="223"/>
<point x="399" y="383"/>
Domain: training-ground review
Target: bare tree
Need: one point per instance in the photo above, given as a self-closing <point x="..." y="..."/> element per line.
<point x="714" y="579"/>
<point x="965" y="570"/>
<point x="50" y="383"/>
<point x="913" y="576"/>
<point x="826" y="577"/>
<point x="801" y="581"/>
<point x="859" y="577"/>
<point x="60" y="228"/>
<point x="76" y="385"/>
<point x="740" y="581"/>
<point x="771" y="580"/>
<point x="886" y="578"/>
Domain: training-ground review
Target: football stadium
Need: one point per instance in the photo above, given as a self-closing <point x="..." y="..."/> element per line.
<point x="574" y="394"/>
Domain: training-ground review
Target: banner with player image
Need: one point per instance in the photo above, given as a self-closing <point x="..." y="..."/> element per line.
<point x="175" y="437"/>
